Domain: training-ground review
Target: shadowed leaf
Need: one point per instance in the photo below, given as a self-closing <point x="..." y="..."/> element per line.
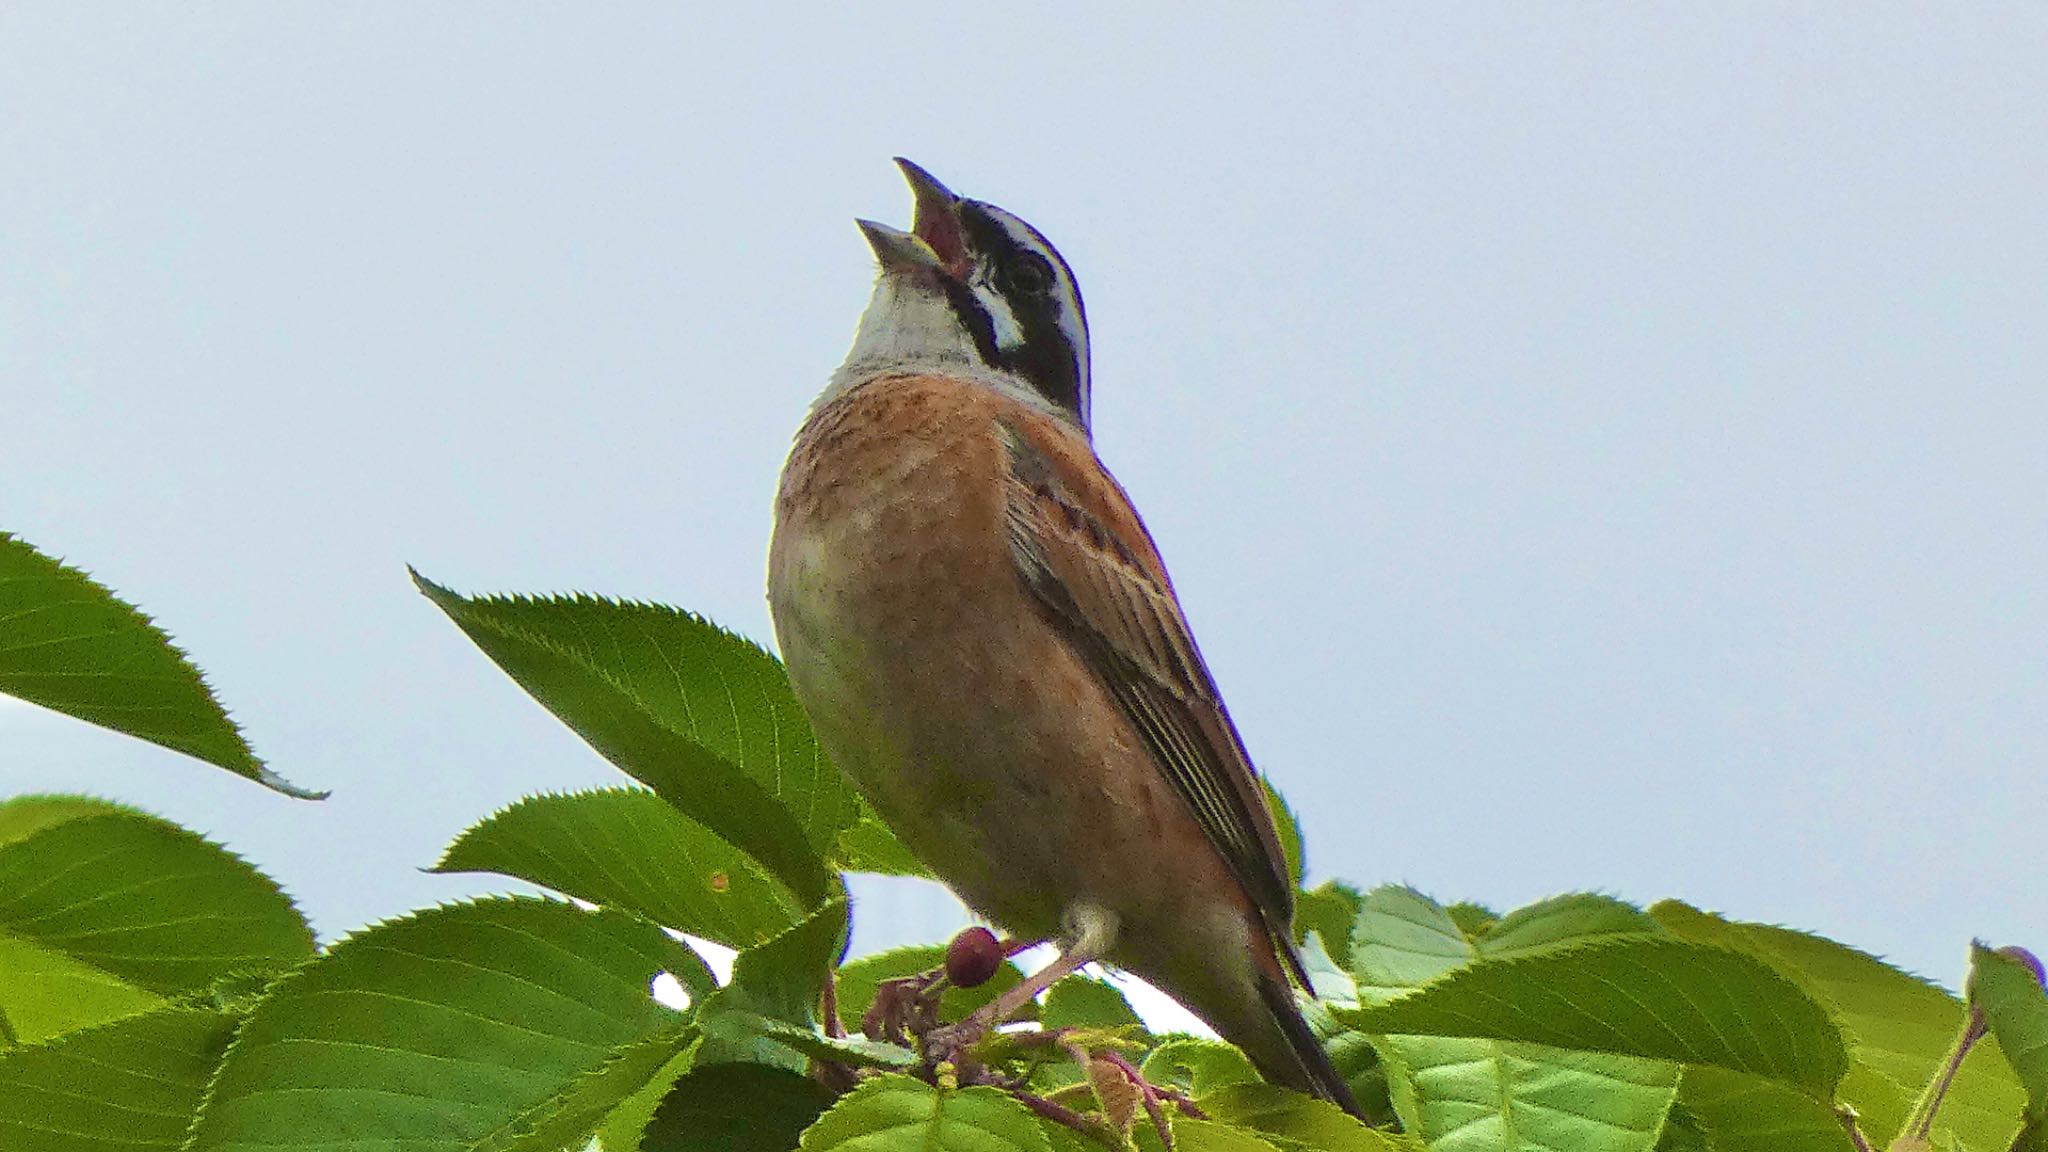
<point x="767" y="1013"/>
<point x="892" y="1112"/>
<point x="1742" y="1113"/>
<point x="129" y="1086"/>
<point x="735" y="1108"/>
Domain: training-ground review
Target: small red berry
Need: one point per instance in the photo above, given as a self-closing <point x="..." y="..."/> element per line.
<point x="973" y="957"/>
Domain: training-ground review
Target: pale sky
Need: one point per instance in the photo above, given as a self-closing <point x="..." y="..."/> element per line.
<point x="1599" y="447"/>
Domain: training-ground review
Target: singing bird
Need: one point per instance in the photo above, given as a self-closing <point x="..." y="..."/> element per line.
<point x="980" y="628"/>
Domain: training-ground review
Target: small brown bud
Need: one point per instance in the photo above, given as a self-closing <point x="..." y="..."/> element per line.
<point x="973" y="957"/>
<point x="1114" y="1091"/>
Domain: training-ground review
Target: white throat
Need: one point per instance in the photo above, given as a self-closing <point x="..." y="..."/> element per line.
<point x="910" y="326"/>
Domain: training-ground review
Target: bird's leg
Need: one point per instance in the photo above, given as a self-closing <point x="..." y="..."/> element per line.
<point x="828" y="1006"/>
<point x="908" y="1006"/>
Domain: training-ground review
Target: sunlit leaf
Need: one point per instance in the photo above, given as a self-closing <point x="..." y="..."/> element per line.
<point x="1198" y="1066"/>
<point x="626" y="848"/>
<point x="103" y="910"/>
<point x="1490" y="1095"/>
<point x="705" y="718"/>
<point x="1898" y="1028"/>
<point x="2008" y="991"/>
<point x="868" y="846"/>
<point x="1654" y="998"/>
<point x="1192" y="1135"/>
<point x="1496" y="1096"/>
<point x="70" y="645"/>
<point x="621" y="1131"/>
<point x="439" y="1030"/>
<point x="1082" y="1002"/>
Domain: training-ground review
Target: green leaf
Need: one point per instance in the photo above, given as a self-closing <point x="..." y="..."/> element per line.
<point x="1491" y="1096"/>
<point x="627" y="848"/>
<point x="70" y="645"/>
<point x="704" y="717"/>
<point x="1588" y="973"/>
<point x="103" y="910"/>
<point x="1683" y="1131"/>
<point x="1485" y="1095"/>
<point x="129" y="1086"/>
<point x="1898" y="1027"/>
<point x="1065" y="1139"/>
<point x="1290" y="833"/>
<point x="1740" y="1113"/>
<point x="1198" y="1066"/>
<point x="869" y="846"/>
<point x="777" y="982"/>
<point x="736" y="1108"/>
<point x="625" y="676"/>
<point x="439" y="1030"/>
<point x="1191" y="1135"/>
<point x="1329" y="910"/>
<point x="564" y="1119"/>
<point x="2010" y="995"/>
<point x="1291" y="1119"/>
<point x="893" y="1113"/>
<point x="622" y="1129"/>
<point x="1577" y="917"/>
<point x="1080" y="1002"/>
<point x="1326" y="978"/>
<point x="858" y="980"/>
<point x="1472" y="919"/>
<point x="1402" y="940"/>
<point x="44" y="993"/>
<point x="1653" y="998"/>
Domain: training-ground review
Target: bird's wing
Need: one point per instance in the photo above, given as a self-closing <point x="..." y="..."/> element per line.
<point x="1082" y="551"/>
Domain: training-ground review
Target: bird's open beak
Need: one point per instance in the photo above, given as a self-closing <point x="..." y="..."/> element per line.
<point x="936" y="220"/>
<point x="900" y="251"/>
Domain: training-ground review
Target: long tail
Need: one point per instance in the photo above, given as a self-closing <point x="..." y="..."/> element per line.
<point x="1314" y="1070"/>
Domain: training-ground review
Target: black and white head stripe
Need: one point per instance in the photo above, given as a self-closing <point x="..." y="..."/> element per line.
<point x="1030" y="321"/>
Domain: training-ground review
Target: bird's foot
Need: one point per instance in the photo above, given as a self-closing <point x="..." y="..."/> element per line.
<point x="905" y="1007"/>
<point x="950" y="1043"/>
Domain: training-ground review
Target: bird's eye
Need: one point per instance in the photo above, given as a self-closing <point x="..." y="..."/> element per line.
<point x="1031" y="273"/>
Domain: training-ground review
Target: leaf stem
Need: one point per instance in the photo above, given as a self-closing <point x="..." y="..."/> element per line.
<point x="1920" y="1121"/>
